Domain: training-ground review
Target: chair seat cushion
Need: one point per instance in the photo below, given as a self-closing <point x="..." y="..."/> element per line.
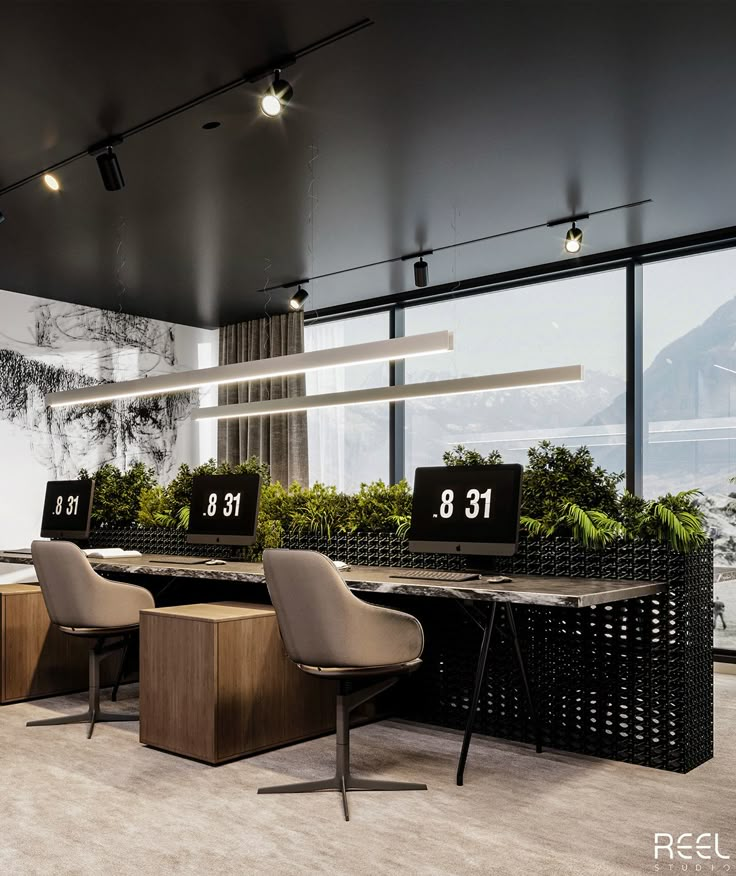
<point x="99" y="631"/>
<point x="361" y="671"/>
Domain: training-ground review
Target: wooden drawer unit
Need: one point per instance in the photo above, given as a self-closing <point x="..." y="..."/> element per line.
<point x="216" y="683"/>
<point x="38" y="659"/>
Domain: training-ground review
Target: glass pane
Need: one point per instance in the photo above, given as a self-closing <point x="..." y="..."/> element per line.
<point x="565" y="322"/>
<point x="690" y="402"/>
<point x="348" y="445"/>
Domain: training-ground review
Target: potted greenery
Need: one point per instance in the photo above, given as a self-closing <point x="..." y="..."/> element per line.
<point x="575" y="521"/>
<point x="574" y="518"/>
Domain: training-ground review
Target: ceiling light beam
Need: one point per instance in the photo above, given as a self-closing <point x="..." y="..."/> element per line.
<point x="261" y="369"/>
<point x="384" y="394"/>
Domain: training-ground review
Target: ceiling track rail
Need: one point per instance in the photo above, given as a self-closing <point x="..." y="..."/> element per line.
<point x="248" y="78"/>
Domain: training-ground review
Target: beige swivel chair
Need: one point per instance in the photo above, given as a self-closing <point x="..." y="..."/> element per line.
<point x="82" y="603"/>
<point x="329" y="632"/>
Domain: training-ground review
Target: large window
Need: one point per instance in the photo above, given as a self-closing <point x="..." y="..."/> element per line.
<point x="689" y="388"/>
<point x="690" y="401"/>
<point x="348" y="445"/>
<point x="564" y="322"/>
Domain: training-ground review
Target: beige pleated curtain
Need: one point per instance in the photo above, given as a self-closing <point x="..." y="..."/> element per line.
<point x="280" y="440"/>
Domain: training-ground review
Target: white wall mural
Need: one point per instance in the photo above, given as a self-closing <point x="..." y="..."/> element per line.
<point x="49" y="345"/>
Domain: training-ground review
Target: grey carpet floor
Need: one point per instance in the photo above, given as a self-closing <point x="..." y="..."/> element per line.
<point x="110" y="805"/>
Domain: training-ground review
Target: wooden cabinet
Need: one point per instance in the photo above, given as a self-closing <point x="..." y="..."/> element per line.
<point x="37" y="659"/>
<point x="216" y="683"/>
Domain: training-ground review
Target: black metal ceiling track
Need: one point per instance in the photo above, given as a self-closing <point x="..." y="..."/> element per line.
<point x="675" y="247"/>
<point x="254" y="75"/>
<point x="566" y="220"/>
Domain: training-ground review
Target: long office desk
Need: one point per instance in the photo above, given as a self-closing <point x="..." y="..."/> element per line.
<point x="529" y="590"/>
<point x="478" y="600"/>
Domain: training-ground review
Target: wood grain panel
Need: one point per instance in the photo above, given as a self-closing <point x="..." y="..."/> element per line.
<point x="37" y="658"/>
<point x="216" y="683"/>
<point x="264" y="700"/>
<point x="177" y="683"/>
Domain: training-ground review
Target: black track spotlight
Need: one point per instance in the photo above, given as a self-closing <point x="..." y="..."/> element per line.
<point x="112" y="176"/>
<point x="421" y="273"/>
<point x="2" y="217"/>
<point x="278" y="95"/>
<point x="574" y="240"/>
<point x="296" y="302"/>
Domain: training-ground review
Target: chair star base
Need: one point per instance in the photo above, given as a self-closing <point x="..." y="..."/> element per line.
<point x="343" y="784"/>
<point x="86" y="717"/>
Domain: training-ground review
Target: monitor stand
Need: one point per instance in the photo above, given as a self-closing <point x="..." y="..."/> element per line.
<point x="483" y="565"/>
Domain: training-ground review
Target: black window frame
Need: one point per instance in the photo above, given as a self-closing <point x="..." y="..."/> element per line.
<point x="632" y="260"/>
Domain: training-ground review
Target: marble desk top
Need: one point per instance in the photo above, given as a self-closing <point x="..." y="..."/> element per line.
<point x="532" y="590"/>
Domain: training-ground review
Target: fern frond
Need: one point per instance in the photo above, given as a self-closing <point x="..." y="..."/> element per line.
<point x="536" y="528"/>
<point x="682" y="530"/>
<point x="590" y="528"/>
<point x="162" y="518"/>
<point x="402" y="522"/>
<point x="183" y="517"/>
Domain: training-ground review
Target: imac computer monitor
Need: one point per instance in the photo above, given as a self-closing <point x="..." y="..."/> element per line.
<point x="466" y="510"/>
<point x="67" y="509"/>
<point x="224" y="509"/>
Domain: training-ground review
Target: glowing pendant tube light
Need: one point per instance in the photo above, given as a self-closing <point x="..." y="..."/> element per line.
<point x="259" y="369"/>
<point x="377" y="395"/>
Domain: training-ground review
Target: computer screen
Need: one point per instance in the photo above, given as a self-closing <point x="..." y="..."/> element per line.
<point x="466" y="510"/>
<point x="67" y="509"/>
<point x="224" y="509"/>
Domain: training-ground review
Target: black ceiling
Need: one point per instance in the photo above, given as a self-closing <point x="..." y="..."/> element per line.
<point x="444" y="121"/>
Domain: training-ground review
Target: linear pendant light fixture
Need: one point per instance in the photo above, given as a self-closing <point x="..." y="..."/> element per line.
<point x="259" y="369"/>
<point x="456" y="386"/>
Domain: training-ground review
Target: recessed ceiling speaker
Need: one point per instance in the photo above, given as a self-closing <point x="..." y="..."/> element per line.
<point x="109" y="167"/>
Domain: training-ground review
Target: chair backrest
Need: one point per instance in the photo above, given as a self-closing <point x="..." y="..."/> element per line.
<point x="76" y="596"/>
<point x="323" y="624"/>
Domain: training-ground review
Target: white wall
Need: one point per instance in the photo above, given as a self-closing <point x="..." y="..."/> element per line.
<point x="47" y="345"/>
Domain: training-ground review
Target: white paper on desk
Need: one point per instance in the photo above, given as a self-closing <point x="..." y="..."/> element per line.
<point x="110" y="553"/>
<point x="16" y="574"/>
<point x="340" y="566"/>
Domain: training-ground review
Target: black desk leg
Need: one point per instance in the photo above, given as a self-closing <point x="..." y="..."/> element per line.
<point x="480" y="674"/>
<point x="519" y="657"/>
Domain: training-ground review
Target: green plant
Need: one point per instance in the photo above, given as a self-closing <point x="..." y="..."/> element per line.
<point x="677" y="520"/>
<point x="591" y="528"/>
<point x="460" y="455"/>
<point x="536" y="528"/>
<point x="153" y="506"/>
<point x="117" y="498"/>
<point x="557" y="475"/>
<point x="321" y="511"/>
<point x="565" y="493"/>
<point x="377" y="505"/>
<point x="402" y="524"/>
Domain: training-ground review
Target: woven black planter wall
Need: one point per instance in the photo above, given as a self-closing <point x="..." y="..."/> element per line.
<point x="630" y="681"/>
<point x="370" y="549"/>
<point x="156" y="540"/>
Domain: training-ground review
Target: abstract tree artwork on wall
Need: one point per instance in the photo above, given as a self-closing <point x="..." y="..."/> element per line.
<point x="67" y="346"/>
